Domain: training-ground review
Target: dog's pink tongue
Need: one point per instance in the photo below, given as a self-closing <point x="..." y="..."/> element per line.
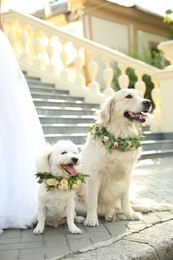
<point x="71" y="169"/>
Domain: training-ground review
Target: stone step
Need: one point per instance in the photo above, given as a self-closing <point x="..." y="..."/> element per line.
<point x="73" y="119"/>
<point x="31" y="79"/>
<point x="156" y="154"/>
<point x="65" y="128"/>
<point x="49" y="90"/>
<point x="53" y="96"/>
<point x="65" y="117"/>
<point x="157" y="145"/>
<point x="63" y="103"/>
<point x="52" y="111"/>
<point x="147" y="135"/>
<point x="77" y="138"/>
<point x="33" y="83"/>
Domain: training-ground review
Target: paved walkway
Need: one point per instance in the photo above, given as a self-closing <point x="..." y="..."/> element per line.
<point x="149" y="238"/>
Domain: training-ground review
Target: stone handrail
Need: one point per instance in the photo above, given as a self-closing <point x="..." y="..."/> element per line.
<point x="78" y="64"/>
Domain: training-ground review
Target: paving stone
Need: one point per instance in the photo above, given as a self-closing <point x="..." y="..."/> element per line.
<point x="32" y="257"/>
<point x="121" y="250"/>
<point x="30" y="252"/>
<point x="9" y="254"/>
<point x="160" y="237"/>
<point x="119" y="240"/>
<point x="78" y="243"/>
<point x="52" y="251"/>
<point x="117" y="228"/>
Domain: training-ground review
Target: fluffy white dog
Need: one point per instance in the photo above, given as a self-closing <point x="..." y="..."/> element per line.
<point x="59" y="179"/>
<point x="109" y="155"/>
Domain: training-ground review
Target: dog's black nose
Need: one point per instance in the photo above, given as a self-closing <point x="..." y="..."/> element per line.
<point x="74" y="159"/>
<point x="147" y="103"/>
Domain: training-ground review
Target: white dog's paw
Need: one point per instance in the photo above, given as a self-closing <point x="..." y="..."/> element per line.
<point x="79" y="219"/>
<point x="75" y="230"/>
<point x="91" y="221"/>
<point x="38" y="230"/>
<point x="133" y="215"/>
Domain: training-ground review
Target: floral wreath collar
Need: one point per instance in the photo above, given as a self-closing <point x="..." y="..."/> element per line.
<point x="108" y="140"/>
<point x="52" y="182"/>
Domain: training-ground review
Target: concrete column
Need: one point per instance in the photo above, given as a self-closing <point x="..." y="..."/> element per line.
<point x="165" y="78"/>
<point x="166" y="99"/>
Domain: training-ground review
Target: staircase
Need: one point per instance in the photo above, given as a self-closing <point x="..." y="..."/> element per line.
<point x="65" y="117"/>
<point x="61" y="115"/>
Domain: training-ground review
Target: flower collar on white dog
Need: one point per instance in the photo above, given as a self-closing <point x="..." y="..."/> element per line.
<point x="53" y="182"/>
<point x="109" y="141"/>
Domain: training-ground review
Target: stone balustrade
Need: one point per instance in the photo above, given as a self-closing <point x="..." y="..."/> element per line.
<point x="77" y="64"/>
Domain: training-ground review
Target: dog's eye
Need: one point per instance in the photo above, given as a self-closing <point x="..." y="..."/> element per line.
<point x="129" y="96"/>
<point x="63" y="153"/>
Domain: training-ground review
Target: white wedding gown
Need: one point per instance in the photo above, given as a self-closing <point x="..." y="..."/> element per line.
<point x="21" y="138"/>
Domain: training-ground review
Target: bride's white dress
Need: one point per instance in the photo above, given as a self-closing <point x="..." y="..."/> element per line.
<point x="21" y="138"/>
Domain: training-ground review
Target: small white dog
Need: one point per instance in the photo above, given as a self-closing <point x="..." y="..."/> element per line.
<point x="59" y="179"/>
<point x="109" y="156"/>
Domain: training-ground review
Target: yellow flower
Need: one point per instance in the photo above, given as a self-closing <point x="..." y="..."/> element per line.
<point x="75" y="186"/>
<point x="64" y="183"/>
<point x="78" y="182"/>
<point x="51" y="182"/>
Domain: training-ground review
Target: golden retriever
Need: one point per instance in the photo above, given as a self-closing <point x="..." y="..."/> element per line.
<point x="109" y="155"/>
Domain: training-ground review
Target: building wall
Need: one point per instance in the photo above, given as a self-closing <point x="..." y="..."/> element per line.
<point x="110" y="34"/>
<point x="123" y="28"/>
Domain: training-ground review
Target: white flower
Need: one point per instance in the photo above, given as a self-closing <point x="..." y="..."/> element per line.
<point x="105" y="139"/>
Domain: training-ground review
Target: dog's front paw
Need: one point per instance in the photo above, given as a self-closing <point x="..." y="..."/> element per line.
<point x="91" y="221"/>
<point x="110" y="218"/>
<point x="79" y="219"/>
<point x="133" y="215"/>
<point x="75" y="230"/>
<point x="38" y="230"/>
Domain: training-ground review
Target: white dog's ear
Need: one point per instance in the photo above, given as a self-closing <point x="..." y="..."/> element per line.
<point x="106" y="112"/>
<point x="43" y="161"/>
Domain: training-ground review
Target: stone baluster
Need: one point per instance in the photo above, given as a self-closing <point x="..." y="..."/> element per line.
<point x="64" y="58"/>
<point x="155" y="93"/>
<point x="12" y="36"/>
<point x="93" y="70"/>
<point x="39" y="49"/>
<point x="25" y="44"/>
<point x="123" y="79"/>
<point x="50" y="50"/>
<point x="108" y="76"/>
<point x="140" y="84"/>
<point x="79" y="63"/>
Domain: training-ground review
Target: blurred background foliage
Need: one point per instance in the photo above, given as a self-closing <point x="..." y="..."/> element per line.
<point x="154" y="58"/>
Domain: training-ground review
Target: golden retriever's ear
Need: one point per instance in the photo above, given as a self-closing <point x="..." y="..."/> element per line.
<point x="105" y="113"/>
<point x="43" y="161"/>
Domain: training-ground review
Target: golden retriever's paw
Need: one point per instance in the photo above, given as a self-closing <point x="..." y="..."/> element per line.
<point x="75" y="230"/>
<point x="121" y="217"/>
<point x="91" y="222"/>
<point x="110" y="218"/>
<point x="79" y="219"/>
<point x="133" y="216"/>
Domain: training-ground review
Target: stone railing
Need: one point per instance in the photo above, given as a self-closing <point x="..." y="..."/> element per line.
<point x="77" y="64"/>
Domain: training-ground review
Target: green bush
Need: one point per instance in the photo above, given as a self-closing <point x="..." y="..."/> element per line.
<point x="153" y="58"/>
